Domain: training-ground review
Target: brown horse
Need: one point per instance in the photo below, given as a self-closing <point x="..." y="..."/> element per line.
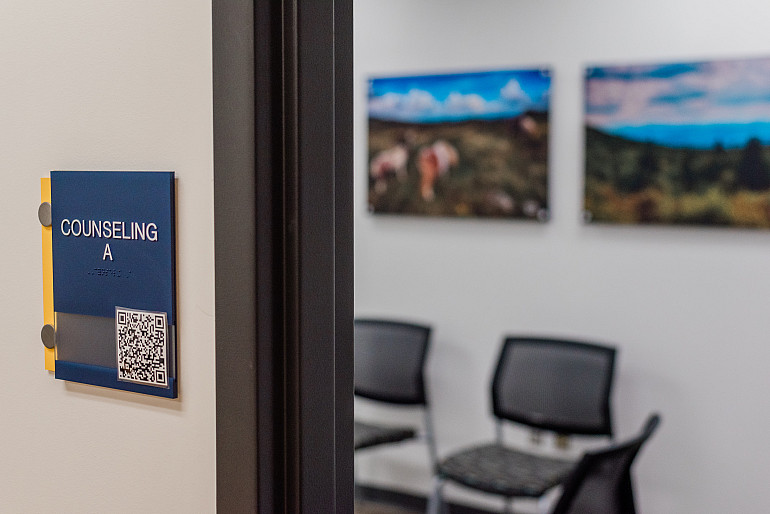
<point x="433" y="162"/>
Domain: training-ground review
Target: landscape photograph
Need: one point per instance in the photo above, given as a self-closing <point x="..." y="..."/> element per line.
<point x="460" y="145"/>
<point x="679" y="143"/>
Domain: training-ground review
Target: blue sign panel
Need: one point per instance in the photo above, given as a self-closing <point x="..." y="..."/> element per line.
<point x="113" y="241"/>
<point x="114" y="248"/>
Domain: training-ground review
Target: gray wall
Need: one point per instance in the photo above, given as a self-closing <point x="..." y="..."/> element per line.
<point x="94" y="85"/>
<point x="686" y="306"/>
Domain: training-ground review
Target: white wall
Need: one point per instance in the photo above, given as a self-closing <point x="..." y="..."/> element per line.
<point x="687" y="307"/>
<point x="93" y="85"/>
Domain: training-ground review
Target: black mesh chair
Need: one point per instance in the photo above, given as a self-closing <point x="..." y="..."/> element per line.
<point x="601" y="482"/>
<point x="389" y="364"/>
<point x="560" y="386"/>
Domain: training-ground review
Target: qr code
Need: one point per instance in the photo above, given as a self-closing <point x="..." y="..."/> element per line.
<point x="141" y="340"/>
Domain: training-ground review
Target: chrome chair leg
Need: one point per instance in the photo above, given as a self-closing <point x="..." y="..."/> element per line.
<point x="434" y="502"/>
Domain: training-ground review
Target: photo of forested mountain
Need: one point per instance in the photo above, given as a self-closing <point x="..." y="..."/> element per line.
<point x="461" y="145"/>
<point x="684" y="143"/>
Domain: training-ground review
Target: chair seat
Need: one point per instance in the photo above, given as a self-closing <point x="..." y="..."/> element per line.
<point x="366" y="434"/>
<point x="500" y="470"/>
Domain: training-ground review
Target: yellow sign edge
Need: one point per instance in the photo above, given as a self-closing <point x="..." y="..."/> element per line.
<point x="48" y="312"/>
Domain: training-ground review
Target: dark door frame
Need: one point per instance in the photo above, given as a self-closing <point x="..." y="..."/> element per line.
<point x="283" y="224"/>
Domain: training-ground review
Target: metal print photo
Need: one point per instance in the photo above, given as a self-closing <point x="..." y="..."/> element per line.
<point x="470" y="144"/>
<point x="683" y="143"/>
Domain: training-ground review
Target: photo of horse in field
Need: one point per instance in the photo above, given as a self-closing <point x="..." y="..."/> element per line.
<point x="467" y="145"/>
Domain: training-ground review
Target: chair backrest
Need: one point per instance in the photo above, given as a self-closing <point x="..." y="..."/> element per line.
<point x="601" y="482"/>
<point x="554" y="384"/>
<point x="389" y="360"/>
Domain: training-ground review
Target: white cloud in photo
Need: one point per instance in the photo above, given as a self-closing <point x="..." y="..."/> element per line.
<point x="513" y="92"/>
<point x="469" y="103"/>
<point x="420" y="105"/>
<point x="714" y="92"/>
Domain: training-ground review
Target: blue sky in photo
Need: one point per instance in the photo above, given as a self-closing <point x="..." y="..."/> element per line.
<point x="692" y="105"/>
<point x="458" y="97"/>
